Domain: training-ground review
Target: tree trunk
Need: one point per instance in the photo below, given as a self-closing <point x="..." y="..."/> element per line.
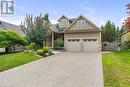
<point x="6" y="49"/>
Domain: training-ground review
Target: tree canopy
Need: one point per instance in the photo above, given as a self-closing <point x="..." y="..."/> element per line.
<point x="10" y="38"/>
<point x="36" y="28"/>
<point x="111" y="33"/>
<point x="108" y="32"/>
<point x="127" y="21"/>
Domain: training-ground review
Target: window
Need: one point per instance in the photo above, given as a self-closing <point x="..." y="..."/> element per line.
<point x="73" y="40"/>
<point x="89" y="40"/>
<point x="81" y="23"/>
<point x="64" y="23"/>
<point x="69" y="40"/>
<point x="94" y="39"/>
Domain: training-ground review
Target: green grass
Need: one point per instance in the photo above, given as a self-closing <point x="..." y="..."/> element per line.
<point x="11" y="60"/>
<point x="116" y="67"/>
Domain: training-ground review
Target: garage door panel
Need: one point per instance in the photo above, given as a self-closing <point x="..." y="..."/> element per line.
<point x="73" y="45"/>
<point x="90" y="45"/>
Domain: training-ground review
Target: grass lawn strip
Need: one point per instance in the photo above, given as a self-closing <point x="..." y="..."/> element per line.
<point x="116" y="69"/>
<point x="8" y="61"/>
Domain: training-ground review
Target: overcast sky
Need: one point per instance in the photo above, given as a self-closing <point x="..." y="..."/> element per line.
<point x="98" y="11"/>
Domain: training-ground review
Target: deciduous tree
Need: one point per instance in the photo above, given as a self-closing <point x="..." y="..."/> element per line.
<point x="127" y="21"/>
<point x="36" y="28"/>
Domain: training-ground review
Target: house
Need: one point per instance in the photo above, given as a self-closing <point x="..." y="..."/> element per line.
<point x="79" y="34"/>
<point x="9" y="26"/>
<point x="125" y="37"/>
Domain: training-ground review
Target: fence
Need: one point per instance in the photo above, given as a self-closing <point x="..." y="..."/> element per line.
<point x="2" y="49"/>
<point x="16" y="48"/>
<point x="111" y="46"/>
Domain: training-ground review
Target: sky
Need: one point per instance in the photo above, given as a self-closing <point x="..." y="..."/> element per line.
<point x="98" y="11"/>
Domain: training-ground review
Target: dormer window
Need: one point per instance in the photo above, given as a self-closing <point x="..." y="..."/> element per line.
<point x="63" y="23"/>
<point x="81" y="23"/>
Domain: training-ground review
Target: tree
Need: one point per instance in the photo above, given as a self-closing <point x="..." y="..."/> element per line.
<point x="127" y="21"/>
<point x="126" y="25"/>
<point x="108" y="32"/>
<point x="120" y="33"/>
<point x="36" y="28"/>
<point x="10" y="38"/>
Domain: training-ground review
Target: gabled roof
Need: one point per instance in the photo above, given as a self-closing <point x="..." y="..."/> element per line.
<point x="62" y="17"/>
<point x="9" y="26"/>
<point x="56" y="27"/>
<point x="59" y="29"/>
<point x="85" y="19"/>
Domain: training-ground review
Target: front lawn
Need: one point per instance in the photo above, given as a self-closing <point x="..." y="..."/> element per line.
<point x="11" y="60"/>
<point x="116" y="69"/>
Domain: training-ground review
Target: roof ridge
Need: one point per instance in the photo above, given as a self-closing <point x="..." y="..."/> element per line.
<point x="9" y="23"/>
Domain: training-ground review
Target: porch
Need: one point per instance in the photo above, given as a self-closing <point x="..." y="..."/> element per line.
<point x="51" y="40"/>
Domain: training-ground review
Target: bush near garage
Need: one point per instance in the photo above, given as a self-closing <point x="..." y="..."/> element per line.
<point x="59" y="42"/>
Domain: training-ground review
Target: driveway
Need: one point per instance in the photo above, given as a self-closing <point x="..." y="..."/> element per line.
<point x="66" y="69"/>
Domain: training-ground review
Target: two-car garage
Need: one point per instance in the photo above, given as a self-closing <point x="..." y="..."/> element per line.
<point x="83" y="44"/>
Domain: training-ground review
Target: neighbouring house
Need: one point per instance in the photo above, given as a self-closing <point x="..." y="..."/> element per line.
<point x="125" y="37"/>
<point x="9" y="26"/>
<point x="79" y="34"/>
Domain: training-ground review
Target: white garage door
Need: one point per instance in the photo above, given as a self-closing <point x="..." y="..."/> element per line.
<point x="73" y="45"/>
<point x="90" y="45"/>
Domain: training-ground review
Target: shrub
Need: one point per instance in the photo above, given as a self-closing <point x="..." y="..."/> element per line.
<point x="40" y="52"/>
<point x="50" y="52"/>
<point x="46" y="49"/>
<point x="59" y="42"/>
<point x="32" y="46"/>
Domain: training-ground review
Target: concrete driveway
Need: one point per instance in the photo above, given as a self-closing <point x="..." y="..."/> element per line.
<point x="62" y="70"/>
